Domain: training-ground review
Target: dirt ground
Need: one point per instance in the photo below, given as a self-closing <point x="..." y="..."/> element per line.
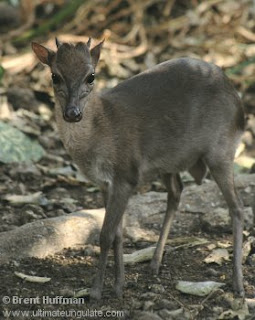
<point x="73" y="270"/>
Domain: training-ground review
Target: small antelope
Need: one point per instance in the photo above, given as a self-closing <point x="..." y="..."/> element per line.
<point x="182" y="114"/>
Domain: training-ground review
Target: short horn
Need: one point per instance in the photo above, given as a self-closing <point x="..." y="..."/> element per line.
<point x="89" y="42"/>
<point x="58" y="43"/>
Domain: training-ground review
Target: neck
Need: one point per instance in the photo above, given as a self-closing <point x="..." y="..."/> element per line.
<point x="90" y="141"/>
<point x="73" y="134"/>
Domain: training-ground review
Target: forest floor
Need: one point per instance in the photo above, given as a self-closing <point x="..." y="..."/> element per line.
<point x="138" y="35"/>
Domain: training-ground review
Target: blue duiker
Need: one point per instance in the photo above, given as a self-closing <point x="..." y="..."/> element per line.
<point x="182" y="114"/>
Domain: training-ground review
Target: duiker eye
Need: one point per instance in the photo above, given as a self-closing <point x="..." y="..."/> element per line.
<point x="55" y="78"/>
<point x="91" y="78"/>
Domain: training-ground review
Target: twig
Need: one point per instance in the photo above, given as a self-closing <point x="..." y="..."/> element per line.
<point x="65" y="12"/>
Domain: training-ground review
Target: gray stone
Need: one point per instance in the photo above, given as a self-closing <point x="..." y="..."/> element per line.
<point x="149" y="295"/>
<point x="157" y="288"/>
<point x="219" y="218"/>
<point x="165" y="314"/>
<point x="148" y="305"/>
<point x="249" y="218"/>
<point x="143" y="206"/>
<point x="136" y="304"/>
<point x="251" y="260"/>
<point x="167" y="304"/>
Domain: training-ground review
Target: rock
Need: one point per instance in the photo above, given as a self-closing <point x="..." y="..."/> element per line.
<point x="166" y="314"/>
<point x="31" y="212"/>
<point x="197" y="196"/>
<point x="251" y="124"/>
<point x="47" y="236"/>
<point x="60" y="197"/>
<point x="15" y="146"/>
<point x="143" y="206"/>
<point x="166" y="304"/>
<point x="238" y="311"/>
<point x="218" y="256"/>
<point x="82" y="293"/>
<point x="91" y="250"/>
<point x="248" y="247"/>
<point x="148" y="305"/>
<point x="149" y="208"/>
<point x="219" y="219"/>
<point x="249" y="218"/>
<point x="157" y="288"/>
<point x="251" y="260"/>
<point x="145" y="214"/>
<point x="136" y="304"/>
<point x="251" y="304"/>
<point x="212" y="272"/>
<point x="247" y="138"/>
<point x="144" y="315"/>
<point x="25" y="171"/>
<point x="136" y="233"/>
<point x="20" y="200"/>
<point x="22" y="98"/>
<point x="242" y="182"/>
<point x="149" y="295"/>
<point x="217" y="310"/>
<point x="201" y="289"/>
<point x="66" y="292"/>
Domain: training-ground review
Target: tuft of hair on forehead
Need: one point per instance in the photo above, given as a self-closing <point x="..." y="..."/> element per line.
<point x="80" y="46"/>
<point x="68" y="52"/>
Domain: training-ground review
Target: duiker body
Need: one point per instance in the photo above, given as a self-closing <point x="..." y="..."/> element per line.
<point x="182" y="114"/>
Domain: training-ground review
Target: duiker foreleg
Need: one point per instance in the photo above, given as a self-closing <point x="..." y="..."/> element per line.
<point x="111" y="233"/>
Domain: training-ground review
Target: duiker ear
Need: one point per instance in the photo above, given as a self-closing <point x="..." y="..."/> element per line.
<point x="95" y="53"/>
<point x="43" y="54"/>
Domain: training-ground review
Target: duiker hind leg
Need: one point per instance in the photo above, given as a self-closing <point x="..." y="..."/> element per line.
<point x="222" y="171"/>
<point x="174" y="187"/>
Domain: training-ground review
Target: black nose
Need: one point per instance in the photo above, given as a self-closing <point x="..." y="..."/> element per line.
<point x="72" y="114"/>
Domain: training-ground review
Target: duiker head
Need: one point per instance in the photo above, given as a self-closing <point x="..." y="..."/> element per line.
<point x="73" y="73"/>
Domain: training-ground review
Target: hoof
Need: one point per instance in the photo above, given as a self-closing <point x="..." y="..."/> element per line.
<point x="154" y="267"/>
<point x="95" y="294"/>
<point x="239" y="293"/>
<point x="118" y="289"/>
<point x="238" y="290"/>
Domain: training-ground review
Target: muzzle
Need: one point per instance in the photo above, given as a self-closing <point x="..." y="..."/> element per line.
<point x="72" y="114"/>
